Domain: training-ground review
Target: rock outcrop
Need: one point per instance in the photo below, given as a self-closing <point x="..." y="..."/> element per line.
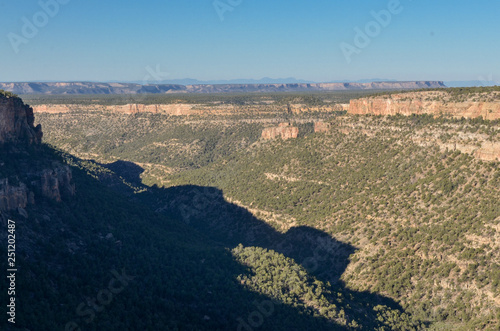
<point x="14" y="196"/>
<point x="16" y="122"/>
<point x="55" y="183"/>
<point x="284" y="130"/>
<point x="424" y="103"/>
<point x="27" y="174"/>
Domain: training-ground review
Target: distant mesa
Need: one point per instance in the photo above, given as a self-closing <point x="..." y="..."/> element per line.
<point x="79" y="88"/>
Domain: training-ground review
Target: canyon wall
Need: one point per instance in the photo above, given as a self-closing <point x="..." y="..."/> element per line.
<point x="179" y="109"/>
<point x="169" y="109"/>
<point x="415" y="103"/>
<point x="49" y="183"/>
<point x="283" y="130"/>
<point x="27" y="174"/>
<point x="16" y="122"/>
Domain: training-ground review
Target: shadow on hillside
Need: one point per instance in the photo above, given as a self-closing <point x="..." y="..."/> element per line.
<point x="206" y="210"/>
<point x="128" y="170"/>
<point x="180" y="279"/>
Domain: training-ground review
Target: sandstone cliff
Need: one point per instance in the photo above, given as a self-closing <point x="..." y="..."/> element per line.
<point x="27" y="174"/>
<point x="180" y="109"/>
<point x="284" y="130"/>
<point x="49" y="183"/>
<point x="168" y="109"/>
<point x="430" y="102"/>
<point x="16" y="122"/>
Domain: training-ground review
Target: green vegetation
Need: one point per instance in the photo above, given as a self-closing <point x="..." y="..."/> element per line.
<point x="8" y="94"/>
<point x="283" y="280"/>
<point x="425" y="221"/>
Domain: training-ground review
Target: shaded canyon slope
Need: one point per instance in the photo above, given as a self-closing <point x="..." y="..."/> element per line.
<point x="27" y="172"/>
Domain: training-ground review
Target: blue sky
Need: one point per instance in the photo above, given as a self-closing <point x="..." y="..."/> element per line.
<point x="130" y="40"/>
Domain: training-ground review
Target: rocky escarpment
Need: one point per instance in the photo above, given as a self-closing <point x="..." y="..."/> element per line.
<point x="14" y="196"/>
<point x="175" y="109"/>
<point x="167" y="109"/>
<point x="16" y="122"/>
<point x="431" y="102"/>
<point x="284" y="131"/>
<point x="48" y="183"/>
<point x="27" y="171"/>
<point x="56" y="182"/>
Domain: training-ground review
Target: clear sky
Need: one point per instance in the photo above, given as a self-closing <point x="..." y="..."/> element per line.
<point x="103" y="40"/>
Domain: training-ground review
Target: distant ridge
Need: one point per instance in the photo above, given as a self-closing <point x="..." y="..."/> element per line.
<point x="80" y="88"/>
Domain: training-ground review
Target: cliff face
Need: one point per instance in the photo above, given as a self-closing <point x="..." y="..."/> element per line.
<point x="49" y="183"/>
<point x="27" y="174"/>
<point x="178" y="109"/>
<point x="56" y="183"/>
<point x="169" y="109"/>
<point x="16" y="122"/>
<point x="14" y="196"/>
<point x="284" y="130"/>
<point x="422" y="103"/>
